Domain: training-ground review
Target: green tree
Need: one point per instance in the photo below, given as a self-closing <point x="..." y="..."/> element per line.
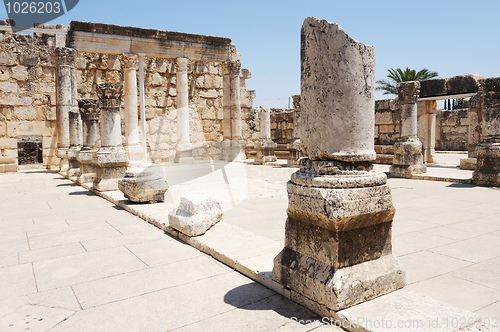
<point x="397" y="75"/>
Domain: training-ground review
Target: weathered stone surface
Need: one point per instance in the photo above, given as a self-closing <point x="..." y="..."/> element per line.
<point x="487" y="152"/>
<point x="408" y="158"/>
<point x="197" y="212"/>
<point x="266" y="151"/>
<point x="144" y="185"/>
<point x="338" y="249"/>
<point x="456" y="85"/>
<point x="337" y="86"/>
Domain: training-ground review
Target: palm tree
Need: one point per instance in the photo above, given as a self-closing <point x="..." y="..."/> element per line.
<point x="397" y="75"/>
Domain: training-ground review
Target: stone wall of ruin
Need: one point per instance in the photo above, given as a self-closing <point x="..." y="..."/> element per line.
<point x="387" y="122"/>
<point x="452" y="129"/>
<point x="27" y="94"/>
<point x="282" y="125"/>
<point x="27" y="98"/>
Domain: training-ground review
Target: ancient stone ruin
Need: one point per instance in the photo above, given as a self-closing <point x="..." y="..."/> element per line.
<point x="338" y="233"/>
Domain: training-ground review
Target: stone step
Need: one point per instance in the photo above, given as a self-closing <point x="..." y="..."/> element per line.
<point x="384" y="149"/>
<point x="385" y="159"/>
<point x="8" y="164"/>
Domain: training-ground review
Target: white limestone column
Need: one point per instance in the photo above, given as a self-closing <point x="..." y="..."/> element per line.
<point x="234" y="68"/>
<point x="294" y="147"/>
<point x="111" y="160"/>
<point x="265" y="123"/>
<point x="132" y="145"/>
<point x="407" y="98"/>
<point x="142" y="105"/>
<point x="265" y="148"/>
<point x="408" y="158"/>
<point x="184" y="147"/>
<point x="430" y="144"/>
<point x="183" y="139"/>
<point x="233" y="146"/>
<point x="65" y="59"/>
<point x="90" y="115"/>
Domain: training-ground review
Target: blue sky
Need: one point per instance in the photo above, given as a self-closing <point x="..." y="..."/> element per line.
<point x="451" y="37"/>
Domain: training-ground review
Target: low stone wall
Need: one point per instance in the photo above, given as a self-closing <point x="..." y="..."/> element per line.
<point x="387" y="124"/>
<point x="452" y="129"/>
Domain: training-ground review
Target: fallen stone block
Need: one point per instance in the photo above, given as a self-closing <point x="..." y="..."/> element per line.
<point x="143" y="185"/>
<point x="197" y="212"/>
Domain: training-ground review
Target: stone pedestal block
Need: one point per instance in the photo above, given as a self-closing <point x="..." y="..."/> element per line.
<point x="184" y="153"/>
<point x="338" y="235"/>
<point x="73" y="163"/>
<point x="197" y="212"/>
<point x="143" y="185"/>
<point x="62" y="153"/>
<point x="266" y="151"/>
<point x="87" y="168"/>
<point x="487" y="172"/>
<point x="408" y="158"/>
<point x="233" y="150"/>
<point x="110" y="164"/>
<point x="295" y="152"/>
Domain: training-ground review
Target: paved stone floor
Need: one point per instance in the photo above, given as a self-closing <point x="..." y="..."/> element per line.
<point x="72" y="261"/>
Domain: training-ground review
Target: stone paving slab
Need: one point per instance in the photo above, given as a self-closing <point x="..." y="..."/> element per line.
<point x="252" y="245"/>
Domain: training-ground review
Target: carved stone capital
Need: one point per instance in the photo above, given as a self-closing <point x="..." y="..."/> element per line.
<point x="65" y="56"/>
<point x="110" y="94"/>
<point x="182" y="64"/>
<point x="129" y="60"/>
<point x="408" y="92"/>
<point x="232" y="68"/>
<point x="89" y="109"/>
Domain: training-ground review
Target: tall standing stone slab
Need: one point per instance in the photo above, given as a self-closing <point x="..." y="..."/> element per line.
<point x="111" y="159"/>
<point x="408" y="158"/>
<point x="487" y="171"/>
<point x="89" y="110"/>
<point x="338" y="231"/>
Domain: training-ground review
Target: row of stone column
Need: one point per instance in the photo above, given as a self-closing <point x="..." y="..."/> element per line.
<point x="77" y="138"/>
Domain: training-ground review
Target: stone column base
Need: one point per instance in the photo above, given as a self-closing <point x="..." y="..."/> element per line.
<point x="468" y="163"/>
<point x="111" y="165"/>
<point x="338" y="249"/>
<point x="295" y="153"/>
<point x="487" y="171"/>
<point x="408" y="158"/>
<point x="87" y="169"/>
<point x="184" y="153"/>
<point x="233" y="150"/>
<point x="265" y="149"/>
<point x="74" y="164"/>
<point x="143" y="185"/>
<point x="63" y="163"/>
